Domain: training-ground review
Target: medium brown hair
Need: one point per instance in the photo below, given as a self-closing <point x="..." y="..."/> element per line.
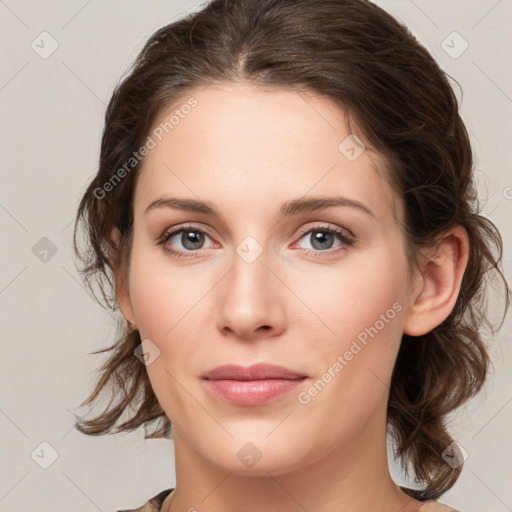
<point x="403" y="106"/>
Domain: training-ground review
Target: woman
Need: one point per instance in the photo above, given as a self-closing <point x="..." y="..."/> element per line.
<point x="285" y="210"/>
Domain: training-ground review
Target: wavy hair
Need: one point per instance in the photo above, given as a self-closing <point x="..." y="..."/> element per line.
<point x="403" y="106"/>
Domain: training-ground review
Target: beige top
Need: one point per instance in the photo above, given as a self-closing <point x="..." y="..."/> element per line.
<point x="155" y="505"/>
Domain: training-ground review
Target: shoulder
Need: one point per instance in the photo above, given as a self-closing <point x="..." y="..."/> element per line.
<point x="152" y="505"/>
<point x="435" y="506"/>
<point x="429" y="505"/>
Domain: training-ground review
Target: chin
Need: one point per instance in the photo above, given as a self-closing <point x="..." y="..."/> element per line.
<point x="256" y="459"/>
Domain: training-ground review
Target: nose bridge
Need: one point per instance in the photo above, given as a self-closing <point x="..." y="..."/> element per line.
<point x="250" y="296"/>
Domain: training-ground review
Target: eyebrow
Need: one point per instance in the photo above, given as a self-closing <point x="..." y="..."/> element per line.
<point x="292" y="207"/>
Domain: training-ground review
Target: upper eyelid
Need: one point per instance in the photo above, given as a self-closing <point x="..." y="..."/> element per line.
<point x="185" y="227"/>
<point x="324" y="226"/>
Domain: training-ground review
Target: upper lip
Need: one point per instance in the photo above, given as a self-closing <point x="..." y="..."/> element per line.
<point x="257" y="371"/>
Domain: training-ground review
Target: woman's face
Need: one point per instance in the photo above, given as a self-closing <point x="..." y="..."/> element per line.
<point x="321" y="291"/>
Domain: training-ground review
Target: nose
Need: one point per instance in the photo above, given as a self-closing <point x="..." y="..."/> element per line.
<point x="252" y="302"/>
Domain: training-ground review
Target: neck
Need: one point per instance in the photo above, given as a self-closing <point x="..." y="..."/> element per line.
<point x="354" y="476"/>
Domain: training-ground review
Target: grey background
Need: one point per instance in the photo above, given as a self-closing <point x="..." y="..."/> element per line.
<point x="52" y="116"/>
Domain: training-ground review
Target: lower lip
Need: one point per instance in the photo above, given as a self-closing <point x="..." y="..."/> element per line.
<point x="251" y="392"/>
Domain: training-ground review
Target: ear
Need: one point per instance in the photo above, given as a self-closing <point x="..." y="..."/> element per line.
<point x="121" y="286"/>
<point x="437" y="285"/>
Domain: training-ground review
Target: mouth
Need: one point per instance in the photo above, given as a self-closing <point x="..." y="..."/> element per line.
<point x="253" y="385"/>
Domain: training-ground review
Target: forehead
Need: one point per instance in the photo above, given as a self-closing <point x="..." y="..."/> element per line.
<point x="251" y="146"/>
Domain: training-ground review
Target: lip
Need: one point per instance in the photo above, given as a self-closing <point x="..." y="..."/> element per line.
<point x="253" y="385"/>
<point x="258" y="371"/>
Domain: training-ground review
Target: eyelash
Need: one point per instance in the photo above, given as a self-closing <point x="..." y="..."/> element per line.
<point x="346" y="239"/>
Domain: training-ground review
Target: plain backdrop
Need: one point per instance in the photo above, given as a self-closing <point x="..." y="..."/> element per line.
<point x="52" y="109"/>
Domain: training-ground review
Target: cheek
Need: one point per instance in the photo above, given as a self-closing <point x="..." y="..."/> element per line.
<point x="162" y="297"/>
<point x="370" y="291"/>
<point x="164" y="302"/>
<point x="363" y="308"/>
<point x="170" y="306"/>
<point x="353" y="366"/>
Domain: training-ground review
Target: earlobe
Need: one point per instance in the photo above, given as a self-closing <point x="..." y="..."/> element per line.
<point x="121" y="286"/>
<point x="438" y="283"/>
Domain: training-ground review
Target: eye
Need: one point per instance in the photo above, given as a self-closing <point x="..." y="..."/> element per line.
<point x="190" y="238"/>
<point x="323" y="238"/>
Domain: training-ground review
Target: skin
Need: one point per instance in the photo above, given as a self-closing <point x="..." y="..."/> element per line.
<point x="246" y="150"/>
